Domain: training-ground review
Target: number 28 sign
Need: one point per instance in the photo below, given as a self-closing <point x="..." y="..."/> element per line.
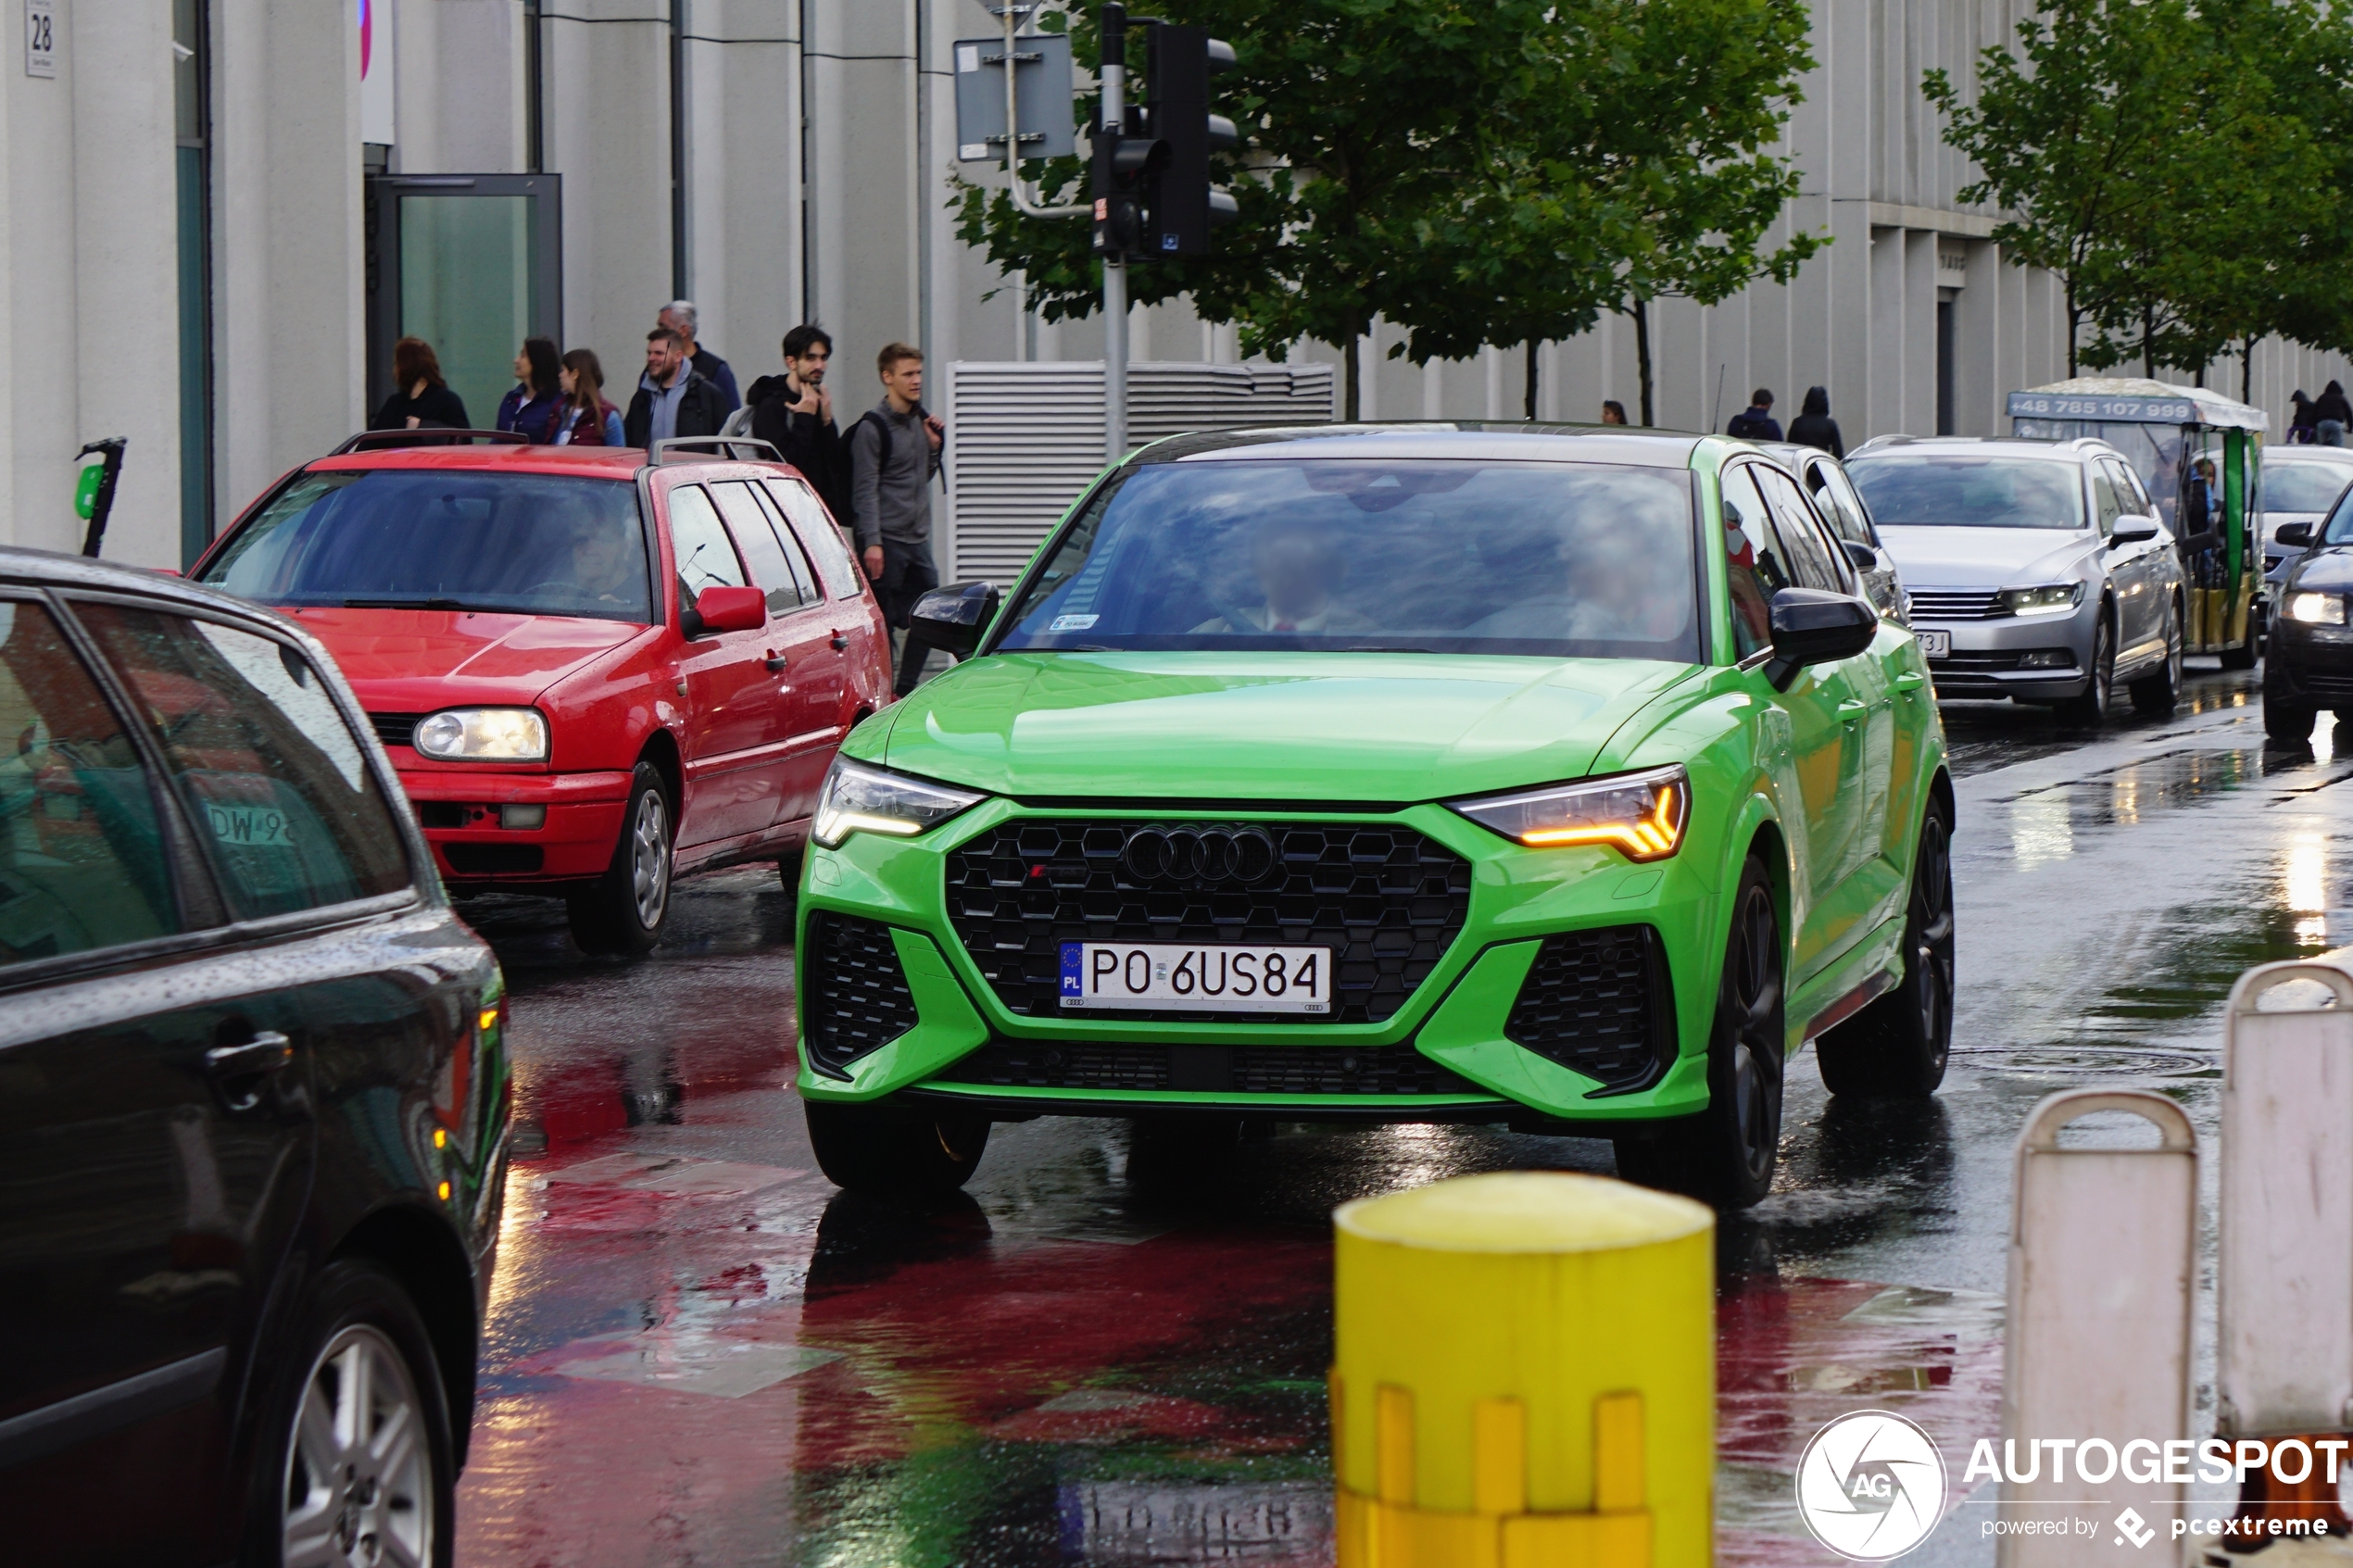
<point x="40" y="37"/>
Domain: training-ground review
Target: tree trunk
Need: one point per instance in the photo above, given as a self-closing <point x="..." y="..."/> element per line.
<point x="2074" y="327"/>
<point x="1351" y="370"/>
<point x="2246" y="369"/>
<point x="1643" y="352"/>
<point x="2148" y="338"/>
<point x="1531" y="381"/>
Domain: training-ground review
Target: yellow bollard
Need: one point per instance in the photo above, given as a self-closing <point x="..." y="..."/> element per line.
<point x="1525" y="1375"/>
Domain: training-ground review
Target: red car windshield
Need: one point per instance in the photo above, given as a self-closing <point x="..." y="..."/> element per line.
<point x="445" y="539"/>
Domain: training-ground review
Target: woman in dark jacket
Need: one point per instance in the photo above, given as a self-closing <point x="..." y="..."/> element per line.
<point x="423" y="400"/>
<point x="533" y="405"/>
<point x="2332" y="404"/>
<point x="2303" y="426"/>
<point x="586" y="418"/>
<point x="1814" y="427"/>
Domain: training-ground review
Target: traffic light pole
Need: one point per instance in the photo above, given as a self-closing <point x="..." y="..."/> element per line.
<point x="1114" y="114"/>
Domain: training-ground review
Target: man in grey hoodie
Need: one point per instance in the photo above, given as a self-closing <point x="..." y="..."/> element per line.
<point x="894" y="452"/>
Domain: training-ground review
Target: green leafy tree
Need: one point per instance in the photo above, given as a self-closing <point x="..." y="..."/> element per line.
<point x="1479" y="174"/>
<point x="2062" y="132"/>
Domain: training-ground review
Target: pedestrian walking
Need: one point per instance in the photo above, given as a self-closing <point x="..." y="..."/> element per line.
<point x="586" y="419"/>
<point x="673" y="398"/>
<point x="1613" y="412"/>
<point x="2332" y="404"/>
<point x="894" y="452"/>
<point x="794" y="413"/>
<point x="1814" y="426"/>
<point x="421" y="400"/>
<point x="534" y="403"/>
<point x="1755" y="422"/>
<point x="681" y="317"/>
<point x="2301" y="427"/>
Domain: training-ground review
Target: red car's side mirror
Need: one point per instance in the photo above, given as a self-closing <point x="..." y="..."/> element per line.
<point x="730" y="610"/>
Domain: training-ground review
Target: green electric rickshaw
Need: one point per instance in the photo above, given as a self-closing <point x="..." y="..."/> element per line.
<point x="2163" y="431"/>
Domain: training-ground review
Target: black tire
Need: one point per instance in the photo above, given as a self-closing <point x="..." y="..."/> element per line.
<point x="2244" y="656"/>
<point x="883" y="1149"/>
<point x="1898" y="1046"/>
<point x="2285" y="720"/>
<point x="2156" y="695"/>
<point x="627" y="908"/>
<point x="320" y="1489"/>
<point x="1726" y="1154"/>
<point x="2090" y="709"/>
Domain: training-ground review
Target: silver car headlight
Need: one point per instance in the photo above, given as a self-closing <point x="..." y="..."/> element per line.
<point x="2052" y="598"/>
<point x="2316" y="609"/>
<point x="859" y="798"/>
<point x="1640" y="815"/>
<point x="482" y="734"/>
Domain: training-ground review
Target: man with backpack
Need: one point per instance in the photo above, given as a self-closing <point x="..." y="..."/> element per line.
<point x="894" y="452"/>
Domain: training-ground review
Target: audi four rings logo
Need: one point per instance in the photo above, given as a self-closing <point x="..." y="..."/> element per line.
<point x="1242" y="855"/>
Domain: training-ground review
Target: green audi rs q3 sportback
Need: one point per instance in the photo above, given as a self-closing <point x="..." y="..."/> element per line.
<point x="1393" y="774"/>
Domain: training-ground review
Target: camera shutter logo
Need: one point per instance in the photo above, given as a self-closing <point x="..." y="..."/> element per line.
<point x="1871" y="1485"/>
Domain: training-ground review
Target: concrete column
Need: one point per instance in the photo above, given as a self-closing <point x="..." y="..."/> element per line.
<point x="287" y="320"/>
<point x="608" y="135"/>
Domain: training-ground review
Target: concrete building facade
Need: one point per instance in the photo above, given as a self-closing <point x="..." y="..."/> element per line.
<point x="189" y="246"/>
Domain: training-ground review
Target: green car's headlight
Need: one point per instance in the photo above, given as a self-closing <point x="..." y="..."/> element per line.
<point x="2317" y="609"/>
<point x="482" y="734"/>
<point x="1640" y="815"/>
<point x="2050" y="599"/>
<point x="857" y="799"/>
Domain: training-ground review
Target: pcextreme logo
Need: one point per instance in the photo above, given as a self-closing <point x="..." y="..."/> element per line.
<point x="1871" y="1485"/>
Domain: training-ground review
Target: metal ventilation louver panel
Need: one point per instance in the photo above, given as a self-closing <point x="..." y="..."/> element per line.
<point x="1025" y="439"/>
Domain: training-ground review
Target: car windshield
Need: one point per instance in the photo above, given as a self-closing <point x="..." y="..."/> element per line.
<point x="1906" y="490"/>
<point x="2303" y="487"/>
<point x="1442" y="557"/>
<point x="445" y="539"/>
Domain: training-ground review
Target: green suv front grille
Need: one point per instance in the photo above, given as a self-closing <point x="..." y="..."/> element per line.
<point x="1386" y="899"/>
<point x="1596" y="1002"/>
<point x="1253" y="1070"/>
<point x="857" y="993"/>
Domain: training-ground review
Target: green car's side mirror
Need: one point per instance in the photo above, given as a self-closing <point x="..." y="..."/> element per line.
<point x="953" y="618"/>
<point x="1811" y="626"/>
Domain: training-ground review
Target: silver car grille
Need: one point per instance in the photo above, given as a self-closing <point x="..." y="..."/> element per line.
<point x="1958" y="604"/>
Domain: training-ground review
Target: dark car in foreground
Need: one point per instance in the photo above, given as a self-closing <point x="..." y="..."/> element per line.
<point x="2308" y="665"/>
<point x="253" y="1096"/>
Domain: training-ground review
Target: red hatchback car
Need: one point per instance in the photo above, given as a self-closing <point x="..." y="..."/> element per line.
<point x="592" y="670"/>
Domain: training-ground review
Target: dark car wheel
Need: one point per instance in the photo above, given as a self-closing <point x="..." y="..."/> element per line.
<point x="1726" y="1154"/>
<point x="2285" y="718"/>
<point x="1898" y="1046"/>
<point x="2155" y="695"/>
<point x="875" y="1149"/>
<point x="2090" y="710"/>
<point x="357" y="1463"/>
<point x="626" y="909"/>
<point x="2244" y="656"/>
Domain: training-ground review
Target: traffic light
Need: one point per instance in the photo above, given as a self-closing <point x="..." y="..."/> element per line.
<point x="1184" y="205"/>
<point x="1127" y="170"/>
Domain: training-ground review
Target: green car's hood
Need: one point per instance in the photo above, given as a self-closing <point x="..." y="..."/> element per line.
<point x="1258" y="726"/>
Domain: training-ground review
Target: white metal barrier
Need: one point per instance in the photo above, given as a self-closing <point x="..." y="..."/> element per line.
<point x="2102" y="1269"/>
<point x="2285" y="1361"/>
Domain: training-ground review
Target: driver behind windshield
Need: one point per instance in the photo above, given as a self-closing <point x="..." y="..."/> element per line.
<point x="603" y="564"/>
<point x="1299" y="565"/>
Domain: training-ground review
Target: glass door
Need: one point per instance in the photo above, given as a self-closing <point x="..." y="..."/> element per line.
<point x="470" y="263"/>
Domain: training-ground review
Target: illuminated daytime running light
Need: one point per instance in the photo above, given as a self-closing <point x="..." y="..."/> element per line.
<point x="1640" y="815"/>
<point x="857" y="799"/>
<point x="2317" y="609"/>
<point x="483" y="734"/>
<point x="2051" y="600"/>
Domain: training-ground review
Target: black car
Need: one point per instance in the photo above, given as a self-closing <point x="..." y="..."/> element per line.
<point x="253" y="1096"/>
<point x="2308" y="664"/>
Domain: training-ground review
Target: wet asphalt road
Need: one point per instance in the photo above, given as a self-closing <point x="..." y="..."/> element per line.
<point x="700" y="1352"/>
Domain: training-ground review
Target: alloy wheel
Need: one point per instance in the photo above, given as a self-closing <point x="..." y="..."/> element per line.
<point x="649" y="858"/>
<point x="1932" y="935"/>
<point x="1753" y="1008"/>
<point x="359" y="1483"/>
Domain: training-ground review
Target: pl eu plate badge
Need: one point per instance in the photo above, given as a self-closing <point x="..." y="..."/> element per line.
<point x="1073" y="970"/>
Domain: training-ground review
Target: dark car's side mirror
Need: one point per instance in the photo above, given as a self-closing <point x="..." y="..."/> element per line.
<point x="1813" y="627"/>
<point x="953" y="618"/>
<point x="725" y="609"/>
<point x="2133" y="528"/>
<point x="1862" y="555"/>
<point x="2295" y="536"/>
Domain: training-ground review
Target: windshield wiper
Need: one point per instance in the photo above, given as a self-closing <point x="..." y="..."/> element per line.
<point x="1382" y="647"/>
<point x="407" y="604"/>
